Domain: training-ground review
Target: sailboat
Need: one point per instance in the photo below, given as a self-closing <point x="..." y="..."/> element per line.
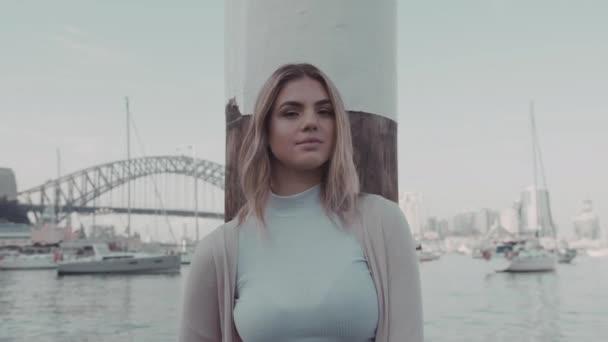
<point x="531" y="256"/>
<point x="96" y="258"/>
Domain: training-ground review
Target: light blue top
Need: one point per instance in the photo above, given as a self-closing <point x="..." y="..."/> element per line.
<point x="306" y="281"/>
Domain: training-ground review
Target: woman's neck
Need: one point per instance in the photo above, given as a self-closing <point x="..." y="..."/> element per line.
<point x="285" y="182"/>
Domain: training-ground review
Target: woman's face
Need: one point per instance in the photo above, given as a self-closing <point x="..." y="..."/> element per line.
<point x="302" y="124"/>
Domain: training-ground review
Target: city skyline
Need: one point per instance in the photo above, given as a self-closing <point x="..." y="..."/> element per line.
<point x="466" y="76"/>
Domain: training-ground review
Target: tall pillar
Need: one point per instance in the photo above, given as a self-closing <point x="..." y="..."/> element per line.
<point x="352" y="41"/>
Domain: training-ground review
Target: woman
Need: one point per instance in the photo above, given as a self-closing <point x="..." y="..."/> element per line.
<point x="308" y="258"/>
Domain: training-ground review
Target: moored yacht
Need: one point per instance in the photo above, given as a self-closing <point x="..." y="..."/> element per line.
<point x="96" y="258"/>
<point x="530" y="257"/>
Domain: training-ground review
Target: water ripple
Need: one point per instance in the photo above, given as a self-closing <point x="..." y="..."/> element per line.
<point x="474" y="305"/>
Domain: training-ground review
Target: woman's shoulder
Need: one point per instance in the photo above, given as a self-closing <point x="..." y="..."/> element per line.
<point x="214" y="243"/>
<point x="376" y="204"/>
<point x="375" y="208"/>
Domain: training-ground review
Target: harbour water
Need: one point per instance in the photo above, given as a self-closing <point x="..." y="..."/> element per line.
<point x="464" y="300"/>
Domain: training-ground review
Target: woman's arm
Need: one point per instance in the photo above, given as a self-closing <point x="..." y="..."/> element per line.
<point x="200" y="321"/>
<point x="405" y="318"/>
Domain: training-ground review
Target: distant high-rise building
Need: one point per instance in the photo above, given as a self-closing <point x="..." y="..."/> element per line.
<point x="8" y="184"/>
<point x="463" y="224"/>
<point x="587" y="223"/>
<point x="443" y="227"/>
<point x="509" y="220"/>
<point x="535" y="212"/>
<point x="411" y="204"/>
<point x="484" y="219"/>
<point x="431" y="225"/>
<point x="474" y="222"/>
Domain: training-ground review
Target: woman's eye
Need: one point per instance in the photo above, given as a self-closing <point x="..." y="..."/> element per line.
<point x="325" y="112"/>
<point x="290" y="113"/>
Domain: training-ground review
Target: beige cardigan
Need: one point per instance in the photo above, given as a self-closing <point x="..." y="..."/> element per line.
<point x="384" y="234"/>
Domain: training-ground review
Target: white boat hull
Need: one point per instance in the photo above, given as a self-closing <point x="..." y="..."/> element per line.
<point x="537" y="263"/>
<point x="28" y="262"/>
<point x="148" y="264"/>
<point x="427" y="256"/>
<point x="600" y="252"/>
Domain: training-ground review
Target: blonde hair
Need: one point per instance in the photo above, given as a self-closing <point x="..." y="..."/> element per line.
<point x="340" y="182"/>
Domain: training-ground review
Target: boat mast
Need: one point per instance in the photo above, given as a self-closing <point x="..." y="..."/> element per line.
<point x="534" y="160"/>
<point x="550" y="222"/>
<point x="195" y="174"/>
<point x="128" y="171"/>
<point x="58" y="190"/>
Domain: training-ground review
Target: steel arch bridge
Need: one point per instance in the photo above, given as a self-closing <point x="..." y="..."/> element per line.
<point x="73" y="192"/>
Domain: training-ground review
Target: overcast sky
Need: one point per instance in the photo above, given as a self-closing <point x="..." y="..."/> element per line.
<point x="467" y="70"/>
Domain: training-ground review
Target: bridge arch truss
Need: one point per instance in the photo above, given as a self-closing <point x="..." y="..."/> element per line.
<point x="79" y="189"/>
